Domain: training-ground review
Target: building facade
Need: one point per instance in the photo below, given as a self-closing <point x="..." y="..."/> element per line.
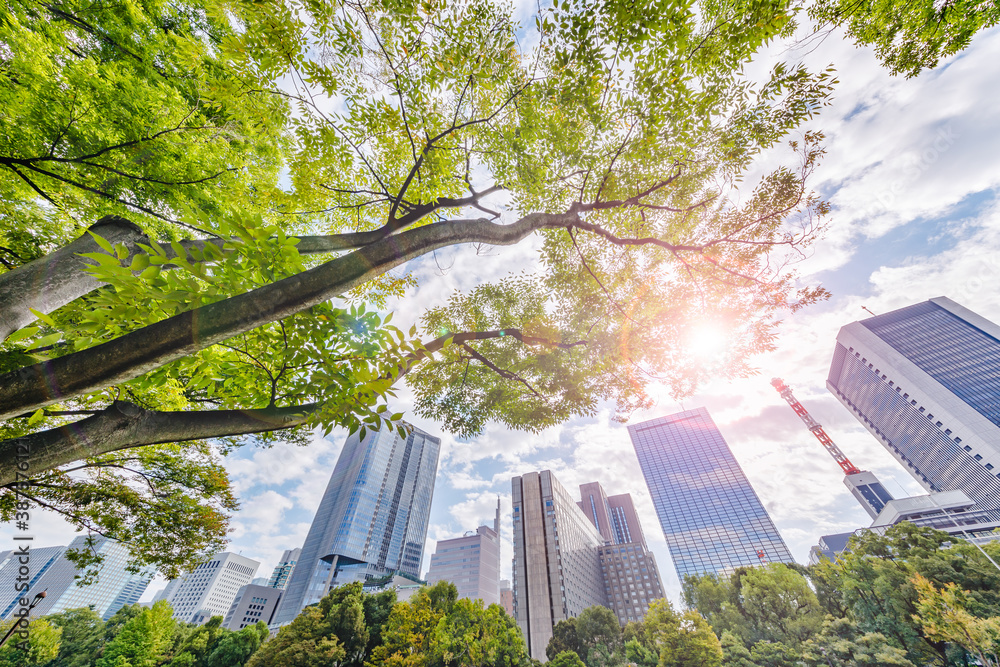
<point x="925" y="381"/>
<point x="372" y="519"/>
<point x="209" y="590"/>
<point x="38" y="562"/>
<point x="283" y="570"/>
<point x="507" y="597"/>
<point x="252" y="604"/>
<point x="712" y="518"/>
<point x="557" y="570"/>
<point x="112" y="588"/>
<point x="631" y="579"/>
<point x="471" y="562"/>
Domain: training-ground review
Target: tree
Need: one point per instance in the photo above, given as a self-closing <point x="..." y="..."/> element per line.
<point x="566" y="659"/>
<point x="840" y="642"/>
<point x="781" y="603"/>
<point x="143" y="640"/>
<point x="674" y="640"/>
<point x="82" y="637"/>
<point x="876" y="581"/>
<point x="345" y="627"/>
<point x="196" y="646"/>
<point x="41" y="646"/>
<point x="235" y="648"/>
<point x="943" y="614"/>
<point x="564" y="638"/>
<point x="909" y="37"/>
<point x="600" y="637"/>
<point x="616" y="142"/>
<point x="474" y="635"/>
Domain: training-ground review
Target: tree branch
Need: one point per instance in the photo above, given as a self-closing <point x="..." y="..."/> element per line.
<point x="124" y="425"/>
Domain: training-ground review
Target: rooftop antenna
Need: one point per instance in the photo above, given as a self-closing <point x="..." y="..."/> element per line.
<point x="865" y="308"/>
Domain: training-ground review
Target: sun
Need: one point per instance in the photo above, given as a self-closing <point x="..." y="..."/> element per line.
<point x="708" y="343"/>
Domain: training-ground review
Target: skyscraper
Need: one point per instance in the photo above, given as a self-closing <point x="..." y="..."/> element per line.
<point x="283" y="570"/>
<point x="628" y="568"/>
<point x="471" y="562"/>
<point x="209" y="589"/>
<point x="925" y="381"/>
<point x="712" y="519"/>
<point x="372" y="519"/>
<point x="113" y="588"/>
<point x="557" y="570"/>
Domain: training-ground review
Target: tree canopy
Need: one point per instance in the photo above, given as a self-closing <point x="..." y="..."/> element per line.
<point x="278" y="165"/>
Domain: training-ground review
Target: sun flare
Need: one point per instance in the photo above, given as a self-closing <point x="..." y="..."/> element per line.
<point x="708" y="343"/>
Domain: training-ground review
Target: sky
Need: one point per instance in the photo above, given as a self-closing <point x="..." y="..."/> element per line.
<point x="910" y="174"/>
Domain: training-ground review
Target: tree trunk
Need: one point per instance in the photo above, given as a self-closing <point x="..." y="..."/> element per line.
<point x="155" y="345"/>
<point x="58" y="278"/>
<point x="124" y="425"/>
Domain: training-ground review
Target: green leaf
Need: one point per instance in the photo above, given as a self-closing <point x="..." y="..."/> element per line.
<point x="101" y="242"/>
<point x="21" y="334"/>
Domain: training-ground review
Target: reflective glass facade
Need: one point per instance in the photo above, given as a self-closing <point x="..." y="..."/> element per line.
<point x="372" y="519"/>
<point x="926" y="382"/>
<point x="712" y="519"/>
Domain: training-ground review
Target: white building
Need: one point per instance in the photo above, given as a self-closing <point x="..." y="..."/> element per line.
<point x="211" y="588"/>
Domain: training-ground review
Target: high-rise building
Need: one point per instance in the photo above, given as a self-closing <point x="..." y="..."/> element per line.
<point x="252" y="604"/>
<point x="471" y="562"/>
<point x="372" y="519"/>
<point x="209" y="590"/>
<point x="557" y="570"/>
<point x="507" y="597"/>
<point x="925" y="381"/>
<point x="283" y="570"/>
<point x="38" y="562"/>
<point x="631" y="578"/>
<point x="113" y="587"/>
<point x="712" y="519"/>
<point x="614" y="516"/>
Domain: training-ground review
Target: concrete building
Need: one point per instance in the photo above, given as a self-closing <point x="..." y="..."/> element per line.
<point x="209" y="590"/>
<point x="507" y="597"/>
<point x="557" y="570"/>
<point x="283" y="570"/>
<point x="168" y="591"/>
<point x="830" y="547"/>
<point x="631" y="579"/>
<point x="113" y="587"/>
<point x="712" y="518"/>
<point x="925" y="381"/>
<point x="373" y="517"/>
<point x="252" y="604"/>
<point x="471" y="562"/>
<point x="614" y="516"/>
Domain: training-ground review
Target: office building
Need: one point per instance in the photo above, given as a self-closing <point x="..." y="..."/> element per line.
<point x="253" y="604"/>
<point x="111" y="588"/>
<point x="168" y="591"/>
<point x="372" y="519"/>
<point x="925" y="381"/>
<point x="712" y="518"/>
<point x="557" y="570"/>
<point x="283" y="570"/>
<point x="471" y="562"/>
<point x="507" y="597"/>
<point x="631" y="578"/>
<point x="830" y="547"/>
<point x="209" y="590"/>
<point x="40" y="560"/>
<point x="614" y="516"/>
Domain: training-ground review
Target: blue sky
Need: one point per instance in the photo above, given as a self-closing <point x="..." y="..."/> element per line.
<point x="911" y="172"/>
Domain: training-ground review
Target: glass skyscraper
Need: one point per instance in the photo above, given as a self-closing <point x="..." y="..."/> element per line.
<point x="712" y="519"/>
<point x="925" y="381"/>
<point x="372" y="519"/>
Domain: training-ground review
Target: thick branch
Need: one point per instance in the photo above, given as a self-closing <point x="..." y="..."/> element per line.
<point x="125" y="425"/>
<point x="153" y="346"/>
<point x="58" y="278"/>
